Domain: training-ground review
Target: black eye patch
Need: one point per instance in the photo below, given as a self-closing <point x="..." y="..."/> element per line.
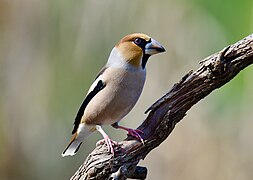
<point x="140" y="42"/>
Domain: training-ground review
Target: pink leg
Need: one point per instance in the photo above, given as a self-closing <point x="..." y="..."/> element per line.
<point x="132" y="132"/>
<point x="106" y="139"/>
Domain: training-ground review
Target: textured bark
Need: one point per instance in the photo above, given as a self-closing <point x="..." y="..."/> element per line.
<point x="214" y="71"/>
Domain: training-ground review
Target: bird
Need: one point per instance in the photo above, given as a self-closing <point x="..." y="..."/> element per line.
<point x="114" y="92"/>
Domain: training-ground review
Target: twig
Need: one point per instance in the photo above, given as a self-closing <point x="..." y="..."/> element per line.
<point x="215" y="71"/>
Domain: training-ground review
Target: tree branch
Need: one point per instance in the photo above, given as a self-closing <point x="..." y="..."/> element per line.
<point x="215" y="71"/>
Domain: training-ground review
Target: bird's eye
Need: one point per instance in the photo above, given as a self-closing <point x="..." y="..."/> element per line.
<point x="138" y="41"/>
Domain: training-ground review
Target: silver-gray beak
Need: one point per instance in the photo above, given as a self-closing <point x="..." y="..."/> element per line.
<point x="153" y="47"/>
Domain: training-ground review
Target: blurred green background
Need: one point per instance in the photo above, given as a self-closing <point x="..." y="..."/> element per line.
<point x="50" y="51"/>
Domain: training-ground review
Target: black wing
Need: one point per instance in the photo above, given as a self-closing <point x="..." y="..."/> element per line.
<point x="100" y="85"/>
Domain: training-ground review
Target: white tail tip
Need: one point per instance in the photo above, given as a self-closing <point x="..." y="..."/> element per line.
<point x="72" y="148"/>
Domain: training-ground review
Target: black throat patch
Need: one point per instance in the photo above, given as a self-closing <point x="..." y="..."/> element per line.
<point x="144" y="60"/>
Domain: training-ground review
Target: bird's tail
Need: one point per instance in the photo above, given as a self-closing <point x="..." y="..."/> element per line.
<point x="76" y="140"/>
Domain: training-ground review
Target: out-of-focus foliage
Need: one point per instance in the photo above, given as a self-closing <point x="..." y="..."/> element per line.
<point x="50" y="51"/>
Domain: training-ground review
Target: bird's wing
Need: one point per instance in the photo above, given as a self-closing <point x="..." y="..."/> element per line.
<point x="100" y="85"/>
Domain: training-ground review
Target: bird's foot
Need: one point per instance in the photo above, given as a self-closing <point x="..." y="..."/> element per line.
<point x="135" y="133"/>
<point x="132" y="132"/>
<point x="110" y="143"/>
<point x="102" y="141"/>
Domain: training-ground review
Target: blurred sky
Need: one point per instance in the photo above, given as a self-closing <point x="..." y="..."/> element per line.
<point x="50" y="51"/>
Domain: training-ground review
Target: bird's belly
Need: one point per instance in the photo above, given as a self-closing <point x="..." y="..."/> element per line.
<point x="116" y="100"/>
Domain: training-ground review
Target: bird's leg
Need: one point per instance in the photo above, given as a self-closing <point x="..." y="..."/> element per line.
<point x="133" y="132"/>
<point x="106" y="139"/>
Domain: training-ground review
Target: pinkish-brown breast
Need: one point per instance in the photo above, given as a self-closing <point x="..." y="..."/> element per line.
<point x="122" y="90"/>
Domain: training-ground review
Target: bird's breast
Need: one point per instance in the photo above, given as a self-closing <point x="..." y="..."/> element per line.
<point x="123" y="89"/>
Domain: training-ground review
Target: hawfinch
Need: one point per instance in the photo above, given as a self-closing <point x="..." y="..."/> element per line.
<point x="114" y="91"/>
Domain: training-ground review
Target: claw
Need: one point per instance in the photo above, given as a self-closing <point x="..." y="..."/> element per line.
<point x="132" y="132"/>
<point x="136" y="133"/>
<point x="102" y="141"/>
<point x="110" y="143"/>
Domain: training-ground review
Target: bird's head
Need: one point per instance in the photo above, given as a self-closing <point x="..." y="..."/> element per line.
<point x="137" y="48"/>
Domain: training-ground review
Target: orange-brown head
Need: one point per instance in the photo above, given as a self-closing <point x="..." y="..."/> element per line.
<point x="137" y="48"/>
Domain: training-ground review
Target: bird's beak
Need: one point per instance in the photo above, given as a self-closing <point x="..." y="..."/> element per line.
<point x="153" y="47"/>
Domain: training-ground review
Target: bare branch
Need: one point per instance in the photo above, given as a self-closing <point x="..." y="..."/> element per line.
<point x="215" y="71"/>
